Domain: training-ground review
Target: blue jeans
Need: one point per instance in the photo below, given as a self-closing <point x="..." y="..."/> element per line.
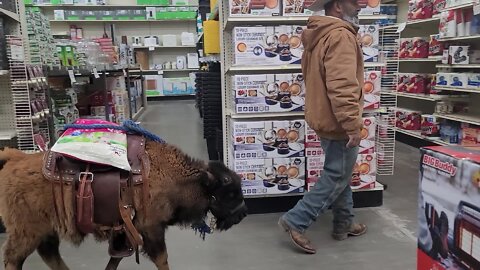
<point x="332" y="189"/>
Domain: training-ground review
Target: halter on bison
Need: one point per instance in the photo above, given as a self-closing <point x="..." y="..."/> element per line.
<point x="180" y="191"/>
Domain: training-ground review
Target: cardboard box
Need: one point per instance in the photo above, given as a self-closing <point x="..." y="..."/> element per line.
<point x="268" y="139"/>
<point x="473" y="80"/>
<point x="369" y="38"/>
<point x="458" y="55"/>
<point x="449" y="210"/>
<point x="408" y="119"/>
<point x="271" y="176"/>
<point x="371" y="90"/>
<point x="470" y="135"/>
<point x="369" y="7"/>
<point x="297" y="7"/>
<point x="314" y="170"/>
<point x="260" y="45"/>
<point x="269" y="93"/>
<point x="254" y="8"/>
<point x="313" y="150"/>
<point x="459" y="80"/>
<point x="364" y="171"/>
<point x="443" y="79"/>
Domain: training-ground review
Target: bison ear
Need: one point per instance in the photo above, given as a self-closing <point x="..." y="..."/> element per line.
<point x="208" y="179"/>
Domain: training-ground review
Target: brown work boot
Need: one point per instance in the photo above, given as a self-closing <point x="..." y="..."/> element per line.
<point x="298" y="239"/>
<point x="356" y="229"/>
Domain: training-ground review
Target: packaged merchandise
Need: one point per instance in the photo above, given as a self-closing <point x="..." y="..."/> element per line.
<point x="438" y="6"/>
<point x="458" y="55"/>
<point x="419" y="9"/>
<point x="449" y="200"/>
<point x="430" y="126"/>
<point x="408" y="119"/>
<point x="268" y="139"/>
<point x="260" y="45"/>
<point x="269" y="93"/>
<point x="371" y="90"/>
<point x="435" y="47"/>
<point x="272" y="175"/>
<point x="447" y="27"/>
<point x="369" y="39"/>
<point x="416" y="47"/>
<point x="370" y="7"/>
<point x="443" y="79"/>
<point x="314" y="170"/>
<point x="470" y="135"/>
<point x="297" y="7"/>
<point x="254" y="7"/>
<point x="459" y="80"/>
<point x="473" y="80"/>
<point x="413" y="83"/>
<point x="450" y="131"/>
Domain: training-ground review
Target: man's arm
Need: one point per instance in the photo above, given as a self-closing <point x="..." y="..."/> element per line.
<point x="343" y="88"/>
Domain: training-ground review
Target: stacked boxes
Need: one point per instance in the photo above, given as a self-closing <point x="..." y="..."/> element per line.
<point x="365" y="167"/>
<point x="268" y="45"/>
<point x="269" y="93"/>
<point x="371" y="90"/>
<point x="448" y="209"/>
<point x="269" y="155"/>
<point x="369" y="39"/>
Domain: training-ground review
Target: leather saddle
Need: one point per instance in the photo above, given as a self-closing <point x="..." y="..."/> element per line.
<point x="102" y="194"/>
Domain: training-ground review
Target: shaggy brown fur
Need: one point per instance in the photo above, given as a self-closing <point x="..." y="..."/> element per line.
<point x="177" y="194"/>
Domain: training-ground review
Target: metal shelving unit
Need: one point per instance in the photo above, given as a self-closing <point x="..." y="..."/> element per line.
<point x="385" y="143"/>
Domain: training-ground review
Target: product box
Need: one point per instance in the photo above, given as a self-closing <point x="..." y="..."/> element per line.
<point x="459" y="80"/>
<point x="449" y="211"/>
<point x="268" y="45"/>
<point x="297" y="7"/>
<point x="367" y="144"/>
<point x="271" y="176"/>
<point x="314" y="169"/>
<point x="368" y="36"/>
<point x="416" y="47"/>
<point x="178" y="86"/>
<point x="447" y="27"/>
<point x="420" y="9"/>
<point x="408" y="119"/>
<point x="458" y="55"/>
<point x="371" y="90"/>
<point x="269" y="93"/>
<point x="371" y="7"/>
<point x="153" y="85"/>
<point x="412" y="83"/>
<point x="430" y="126"/>
<point x="443" y="79"/>
<point x="435" y="47"/>
<point x="254" y="8"/>
<point x="268" y="139"/>
<point x="473" y="80"/>
<point x="470" y="135"/>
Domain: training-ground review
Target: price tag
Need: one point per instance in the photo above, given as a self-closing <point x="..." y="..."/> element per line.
<point x="151" y="48"/>
<point x="401" y="27"/>
<point x="72" y="76"/>
<point x="160" y="72"/>
<point x="95" y="73"/>
<point x="476" y="9"/>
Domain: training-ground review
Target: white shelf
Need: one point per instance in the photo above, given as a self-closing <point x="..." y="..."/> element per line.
<point x="460" y="38"/>
<point x="423" y="21"/>
<point x="423" y="96"/>
<point x="163" y="47"/>
<point x="458" y="66"/>
<point x="430" y="59"/>
<point x="132" y="20"/>
<point x="378" y="187"/>
<point x="6" y="135"/>
<point x="293" y="67"/>
<point x="246" y="20"/>
<point x="458" y="7"/>
<point x="10" y="14"/>
<point x="474" y="120"/>
<point x="458" y="89"/>
<point x="103" y="6"/>
<point x="417" y="134"/>
<point x="235" y="115"/>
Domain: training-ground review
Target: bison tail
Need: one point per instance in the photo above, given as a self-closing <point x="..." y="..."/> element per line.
<point x="9" y="154"/>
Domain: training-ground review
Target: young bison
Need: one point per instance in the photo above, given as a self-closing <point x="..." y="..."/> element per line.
<point x="181" y="191"/>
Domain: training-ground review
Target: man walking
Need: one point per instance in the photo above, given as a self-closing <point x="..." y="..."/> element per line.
<point x="332" y="65"/>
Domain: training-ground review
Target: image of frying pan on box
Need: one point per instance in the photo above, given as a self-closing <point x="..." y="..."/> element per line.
<point x="286" y="93"/>
<point x="286" y="45"/>
<point x="283" y="140"/>
<point x="284" y="176"/>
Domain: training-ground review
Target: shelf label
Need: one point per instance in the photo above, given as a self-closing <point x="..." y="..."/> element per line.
<point x="72" y="76"/>
<point x="151" y="48"/>
<point x="95" y="73"/>
<point x="401" y="27"/>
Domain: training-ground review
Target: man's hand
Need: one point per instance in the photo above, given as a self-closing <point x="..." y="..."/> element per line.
<point x="353" y="140"/>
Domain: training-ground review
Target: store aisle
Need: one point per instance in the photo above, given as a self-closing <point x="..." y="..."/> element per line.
<point x="257" y="243"/>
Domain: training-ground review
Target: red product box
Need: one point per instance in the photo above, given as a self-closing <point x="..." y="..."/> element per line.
<point x="314" y="169"/>
<point x="438" y="6"/>
<point x="408" y="119"/>
<point x="406" y="45"/>
<point x="430" y="126"/>
<point x="419" y="48"/>
<point x="420" y="9"/>
<point x="435" y="47"/>
<point x="449" y="208"/>
<point x="470" y="135"/>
